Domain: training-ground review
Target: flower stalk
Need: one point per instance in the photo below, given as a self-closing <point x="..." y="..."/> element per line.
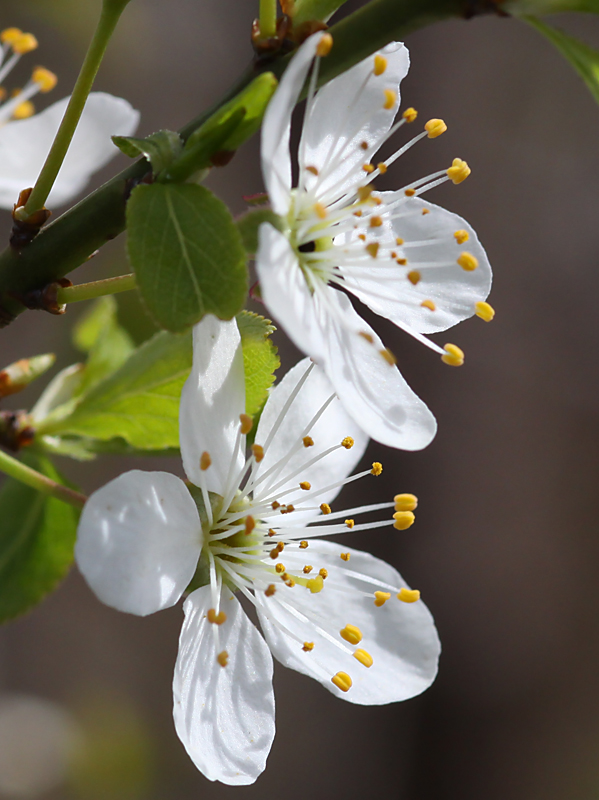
<point x="268" y="18"/>
<point x="31" y="477"/>
<point x="89" y="291"/>
<point x="111" y="12"/>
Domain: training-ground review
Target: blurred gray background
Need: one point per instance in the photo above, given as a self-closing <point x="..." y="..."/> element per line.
<point x="506" y="545"/>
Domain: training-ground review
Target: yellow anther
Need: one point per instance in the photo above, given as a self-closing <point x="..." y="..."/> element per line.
<point x="403" y="520"/>
<point x="362" y="237"/>
<point x="306" y="486"/>
<point x="308" y="646"/>
<point x="393" y="254"/>
<point x="380" y="64"/>
<point x="274" y="505"/>
<point x="382" y="167"/>
<point x="287" y="509"/>
<point x="308" y="569"/>
<point x="303" y="544"/>
<point x="484" y="311"/>
<point x="461" y="236"/>
<point x="45" y="79"/>
<point x="9" y="35"/>
<point x="405" y="502"/>
<point x="368" y="336"/>
<point x="402" y="262"/>
<point x="372" y="249"/>
<point x="205" y="461"/>
<point x="24" y="43"/>
<point x="274" y="553"/>
<point x="250" y="524"/>
<point x="351" y="634"/>
<point x="345" y="556"/>
<point x="342" y="681"/>
<point x="24" y="110"/>
<point x="350" y="523"/>
<point x="410" y="192"/>
<point x="458" y="171"/>
<point x="376" y="222"/>
<point x="363" y="657"/>
<point x="258" y="452"/>
<point x="380" y="598"/>
<point x="435" y="127"/>
<point x="468" y="262"/>
<point x="348" y="443"/>
<point x="408" y="595"/>
<point x="399" y="241"/>
<point x="290" y="582"/>
<point x="270" y="590"/>
<point x="320" y="210"/>
<point x="323" y="573"/>
<point x="454" y="356"/>
<point x="414" y="277"/>
<point x="223" y="658"/>
<point x="426" y="211"/>
<point x="388" y="356"/>
<point x="364" y="145"/>
<point x="377" y="468"/>
<point x="315" y="584"/>
<point x="272" y="532"/>
<point x="364" y="192"/>
<point x="285" y="577"/>
<point x="246" y="423"/>
<point x="323" y="48"/>
<point x="325" y="508"/>
<point x="390" y="99"/>
<point x="368" y="168"/>
<point x="280" y="568"/>
<point x="358" y="213"/>
<point x="313" y="170"/>
<point x="280" y="546"/>
<point x="428" y="304"/>
<point x="216" y="619"/>
<point x="410" y="114"/>
<point x="308" y="441"/>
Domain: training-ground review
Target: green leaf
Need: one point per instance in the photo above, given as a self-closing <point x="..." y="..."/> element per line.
<point x="140" y="402"/>
<point x="107" y="344"/>
<point x="305" y="11"/>
<point x="583" y="58"/>
<point x="260" y="359"/>
<point x="160" y="149"/>
<point x="249" y="225"/>
<point x="37" y="536"/>
<point x="187" y="254"/>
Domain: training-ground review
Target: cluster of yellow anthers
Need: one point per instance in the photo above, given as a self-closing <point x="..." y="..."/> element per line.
<point x="314" y="242"/>
<point x="19" y="105"/>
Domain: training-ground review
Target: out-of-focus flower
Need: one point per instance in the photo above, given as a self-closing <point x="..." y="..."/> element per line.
<point x="252" y="525"/>
<point x="26" y="137"/>
<point x="412" y="262"/>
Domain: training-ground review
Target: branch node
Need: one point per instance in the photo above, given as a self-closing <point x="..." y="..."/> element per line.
<point x="46" y="299"/>
<point x="15" y="433"/>
<point x="26" y="227"/>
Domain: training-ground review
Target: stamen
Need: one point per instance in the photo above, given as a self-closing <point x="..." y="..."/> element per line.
<point x="348" y="443"/>
<point x="308" y="647"/>
<point x="484" y="311"/>
<point x="250" y="524"/>
<point x="325" y="508"/>
<point x="345" y="556"/>
<point x="205" y="461"/>
<point x="380" y="64"/>
<point x="414" y="277"/>
<point x="308" y="441"/>
<point x="453" y="355"/>
<point x="435" y="127"/>
<point x="342" y="681"/>
<point x="364" y="658"/>
<point x="372" y="249"/>
<point x="223" y="658"/>
<point x="303" y="544"/>
<point x="380" y="598"/>
<point x="468" y="262"/>
<point x="403" y="520"/>
<point x="377" y="468"/>
<point x="410" y="114"/>
<point x="258" y="452"/>
<point x="305" y="485"/>
<point x="351" y="634"/>
<point x="214" y="618"/>
<point x="458" y="171"/>
<point x="390" y="99"/>
<point x="408" y="595"/>
<point x="429" y="304"/>
<point x="350" y="523"/>
<point x="323" y="573"/>
<point x="308" y="569"/>
<point x="382" y="167"/>
<point x="246" y="424"/>
<point x="405" y="502"/>
<point x="323" y="48"/>
<point x="270" y="590"/>
<point x="368" y="336"/>
<point x="45" y="79"/>
<point x="461" y="236"/>
<point x="320" y="210"/>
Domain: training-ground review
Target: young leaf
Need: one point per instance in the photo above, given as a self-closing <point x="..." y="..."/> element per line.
<point x="583" y="58"/>
<point x="160" y="148"/>
<point x="260" y="359"/>
<point x="140" y="402"/>
<point x="19" y="375"/>
<point x="37" y="536"/>
<point x="187" y="254"/>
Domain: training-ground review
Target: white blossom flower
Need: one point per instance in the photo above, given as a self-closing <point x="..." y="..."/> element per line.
<point x="412" y="262"/>
<point x="251" y="527"/>
<point x="26" y="137"/>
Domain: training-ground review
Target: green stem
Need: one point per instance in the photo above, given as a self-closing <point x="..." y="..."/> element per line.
<point x="21" y="472"/>
<point x="111" y="12"/>
<point x="89" y="291"/>
<point x="268" y="19"/>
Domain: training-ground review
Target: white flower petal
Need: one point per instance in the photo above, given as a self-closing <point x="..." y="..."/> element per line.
<point x="326" y="327"/>
<point x="139" y="540"/>
<point x="276" y="161"/>
<point x="24" y="145"/>
<point x="225" y="716"/>
<point x="347" y="112"/>
<point x="453" y="290"/>
<point x="400" y="637"/>
<point x="212" y="400"/>
<point x="333" y="426"/>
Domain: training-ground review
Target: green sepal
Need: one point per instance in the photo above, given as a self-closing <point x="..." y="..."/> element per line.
<point x="37" y="537"/>
<point x="249" y="225"/>
<point x="160" y="148"/>
<point x="16" y="377"/>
